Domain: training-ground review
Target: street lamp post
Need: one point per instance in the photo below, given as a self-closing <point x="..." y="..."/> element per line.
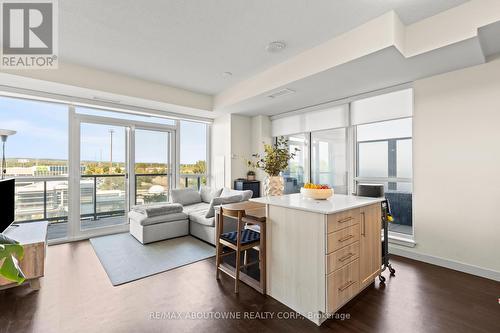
<point x="4" y="134"/>
<point x="111" y="131"/>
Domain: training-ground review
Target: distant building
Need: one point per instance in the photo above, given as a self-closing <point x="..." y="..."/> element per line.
<point x="20" y="172"/>
<point x="41" y="171"/>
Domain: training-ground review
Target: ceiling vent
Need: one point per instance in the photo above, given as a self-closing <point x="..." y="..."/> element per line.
<point x="281" y="93"/>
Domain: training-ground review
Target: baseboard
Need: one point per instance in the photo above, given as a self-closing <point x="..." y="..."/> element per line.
<point x="451" y="264"/>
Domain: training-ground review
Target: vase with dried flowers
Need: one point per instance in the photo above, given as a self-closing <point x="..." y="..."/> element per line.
<point x="274" y="161"/>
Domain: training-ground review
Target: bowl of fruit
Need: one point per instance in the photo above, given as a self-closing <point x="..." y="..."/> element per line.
<point x="316" y="191"/>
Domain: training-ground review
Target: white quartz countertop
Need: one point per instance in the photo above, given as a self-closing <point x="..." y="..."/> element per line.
<point x="335" y="204"/>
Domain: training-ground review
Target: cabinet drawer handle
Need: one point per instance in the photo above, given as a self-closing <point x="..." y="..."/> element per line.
<point x="363" y="225"/>
<point x="343" y="239"/>
<point x="347" y="285"/>
<point x="347" y="256"/>
<point x="347" y="219"/>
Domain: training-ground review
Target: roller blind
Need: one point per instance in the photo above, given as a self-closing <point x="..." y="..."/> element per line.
<point x="394" y="105"/>
<point x="333" y="117"/>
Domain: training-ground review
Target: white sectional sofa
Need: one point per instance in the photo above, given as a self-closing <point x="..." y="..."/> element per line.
<point x="197" y="217"/>
<point x="201" y="211"/>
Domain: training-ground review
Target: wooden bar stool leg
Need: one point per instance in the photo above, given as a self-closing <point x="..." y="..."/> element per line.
<point x="238" y="253"/>
<point x="237" y="273"/>
<point x="218" y="255"/>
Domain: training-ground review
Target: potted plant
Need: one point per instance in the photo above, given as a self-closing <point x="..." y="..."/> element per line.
<point x="10" y="254"/>
<point x="273" y="162"/>
<point x="251" y="175"/>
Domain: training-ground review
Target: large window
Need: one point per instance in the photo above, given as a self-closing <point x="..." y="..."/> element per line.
<point x="329" y="160"/>
<point x="297" y="173"/>
<point x="193" y="151"/>
<point x="37" y="156"/>
<point x="384" y="155"/>
<point x="366" y="141"/>
<point x="152" y="166"/>
<point x="123" y="159"/>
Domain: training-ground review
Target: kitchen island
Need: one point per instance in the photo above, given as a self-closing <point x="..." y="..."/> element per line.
<point x="321" y="253"/>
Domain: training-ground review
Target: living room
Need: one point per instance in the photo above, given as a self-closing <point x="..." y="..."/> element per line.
<point x="236" y="166"/>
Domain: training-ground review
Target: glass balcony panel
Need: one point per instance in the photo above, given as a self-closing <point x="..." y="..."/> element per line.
<point x="192" y="181"/>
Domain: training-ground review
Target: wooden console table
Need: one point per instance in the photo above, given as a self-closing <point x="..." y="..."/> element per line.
<point x="33" y="237"/>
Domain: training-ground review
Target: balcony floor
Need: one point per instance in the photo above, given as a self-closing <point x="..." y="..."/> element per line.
<point x="58" y="230"/>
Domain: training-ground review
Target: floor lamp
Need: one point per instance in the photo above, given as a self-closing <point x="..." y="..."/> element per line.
<point x="4" y="134"/>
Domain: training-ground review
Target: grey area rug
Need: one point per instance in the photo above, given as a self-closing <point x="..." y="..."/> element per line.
<point x="125" y="259"/>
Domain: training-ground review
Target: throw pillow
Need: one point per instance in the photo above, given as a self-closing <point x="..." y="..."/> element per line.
<point x="221" y="201"/>
<point x="207" y="193"/>
<point x="246" y="194"/>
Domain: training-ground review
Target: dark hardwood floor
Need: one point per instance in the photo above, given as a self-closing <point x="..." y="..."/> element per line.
<point x="76" y="296"/>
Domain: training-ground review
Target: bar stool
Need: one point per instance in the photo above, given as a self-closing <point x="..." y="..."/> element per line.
<point x="239" y="241"/>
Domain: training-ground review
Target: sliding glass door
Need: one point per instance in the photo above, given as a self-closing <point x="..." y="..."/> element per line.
<point x="103" y="175"/>
<point x="118" y="163"/>
<point x="297" y="173"/>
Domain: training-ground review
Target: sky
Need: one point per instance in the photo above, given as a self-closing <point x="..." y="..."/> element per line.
<point x="42" y="133"/>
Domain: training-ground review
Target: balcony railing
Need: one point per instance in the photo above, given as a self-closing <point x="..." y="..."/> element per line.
<point x="192" y="180"/>
<point x="101" y="196"/>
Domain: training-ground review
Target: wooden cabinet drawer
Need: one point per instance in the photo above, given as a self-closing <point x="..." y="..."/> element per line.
<point x="342" y="257"/>
<point x="341" y="238"/>
<point x="342" y="285"/>
<point x="342" y="220"/>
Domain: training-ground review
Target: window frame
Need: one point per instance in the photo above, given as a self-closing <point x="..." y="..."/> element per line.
<point x="396" y="237"/>
<point x="352" y="159"/>
<point x="208" y="145"/>
<point x="347" y="155"/>
<point x="307" y="135"/>
<point x="71" y="103"/>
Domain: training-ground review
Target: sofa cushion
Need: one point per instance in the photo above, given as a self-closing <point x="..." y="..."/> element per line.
<point x="185" y="196"/>
<point x="199" y="217"/>
<point x="222" y="201"/>
<point x="201" y="206"/>
<point x="227" y="192"/>
<point x="157" y="209"/>
<point x="208" y="193"/>
<point x="143" y="220"/>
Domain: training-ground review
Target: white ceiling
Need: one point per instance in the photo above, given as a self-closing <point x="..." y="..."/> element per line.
<point x="377" y="71"/>
<point x="190" y="43"/>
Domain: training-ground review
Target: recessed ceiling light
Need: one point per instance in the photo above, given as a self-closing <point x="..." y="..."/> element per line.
<point x="227" y="74"/>
<point x="275" y="46"/>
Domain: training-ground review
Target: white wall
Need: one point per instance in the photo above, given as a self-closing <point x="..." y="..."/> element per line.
<point x="220" y="142"/>
<point x="261" y="133"/>
<point x="241" y="146"/>
<point x="231" y="137"/>
<point x="457" y="170"/>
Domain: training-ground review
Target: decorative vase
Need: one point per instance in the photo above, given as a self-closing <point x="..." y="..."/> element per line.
<point x="274" y="185"/>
